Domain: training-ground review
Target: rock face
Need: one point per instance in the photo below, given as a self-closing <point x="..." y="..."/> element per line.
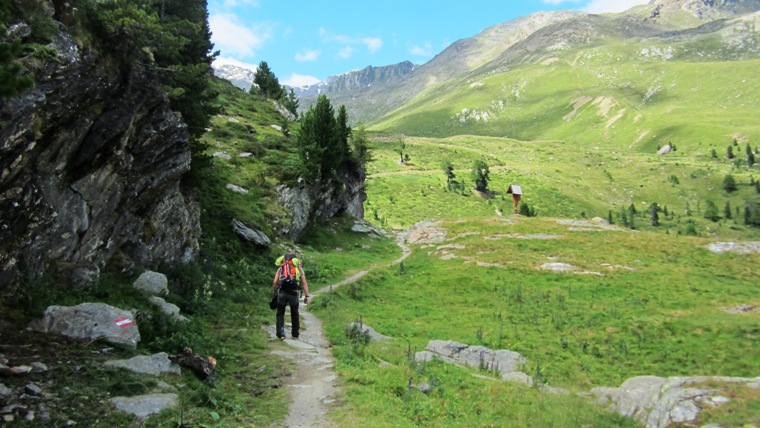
<point x="90" y="168"/>
<point x="145" y="405"/>
<point x="321" y="201"/>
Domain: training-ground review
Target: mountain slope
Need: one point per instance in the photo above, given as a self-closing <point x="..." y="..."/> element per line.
<point x="691" y="86"/>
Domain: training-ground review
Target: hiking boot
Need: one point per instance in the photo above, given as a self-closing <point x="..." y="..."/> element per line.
<point x="281" y="337"/>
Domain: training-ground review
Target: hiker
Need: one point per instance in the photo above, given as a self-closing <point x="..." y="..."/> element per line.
<point x="287" y="283"/>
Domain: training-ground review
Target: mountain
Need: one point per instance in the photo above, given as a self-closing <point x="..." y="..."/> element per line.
<point x="525" y="40"/>
<point x="238" y="76"/>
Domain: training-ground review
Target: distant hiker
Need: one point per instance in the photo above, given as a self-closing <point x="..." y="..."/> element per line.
<point x="287" y="283"/>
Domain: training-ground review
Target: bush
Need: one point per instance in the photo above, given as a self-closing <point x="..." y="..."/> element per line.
<point x="526" y="210"/>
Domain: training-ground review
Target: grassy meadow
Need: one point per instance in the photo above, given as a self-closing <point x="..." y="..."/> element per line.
<point x="649" y="301"/>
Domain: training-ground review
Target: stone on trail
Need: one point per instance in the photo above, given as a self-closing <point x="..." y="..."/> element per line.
<point x="145" y="405"/>
<point x="156" y="364"/>
<point x="371" y="332"/>
<point x="90" y="321"/>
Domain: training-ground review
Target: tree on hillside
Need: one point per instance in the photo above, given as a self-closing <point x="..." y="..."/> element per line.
<point x="290" y="102"/>
<point x="714" y="154"/>
<point x="320" y="144"/>
<point x="727" y="210"/>
<point x="730" y="152"/>
<point x="12" y="79"/>
<point x="400" y="150"/>
<point x="343" y="131"/>
<point x="360" y="145"/>
<point x="711" y="211"/>
<point x="729" y="183"/>
<point x="448" y="169"/>
<point x="654" y="215"/>
<point x="750" y="159"/>
<point x="267" y="82"/>
<point x="480" y="175"/>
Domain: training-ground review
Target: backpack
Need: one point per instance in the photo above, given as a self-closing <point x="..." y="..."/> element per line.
<point x="289" y="274"/>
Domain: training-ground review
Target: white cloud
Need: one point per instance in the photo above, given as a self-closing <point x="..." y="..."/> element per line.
<point x="373" y="44"/>
<point x="298" y="80"/>
<point x="232" y="61"/>
<point x="424" y="50"/>
<point x="346" y="52"/>
<point x="307" y="55"/>
<point x="233" y="38"/>
<point x="604" y="6"/>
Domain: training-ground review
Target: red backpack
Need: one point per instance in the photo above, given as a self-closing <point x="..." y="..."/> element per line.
<point x="288" y="273"/>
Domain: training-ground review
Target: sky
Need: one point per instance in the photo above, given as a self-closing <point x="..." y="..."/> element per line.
<point x="305" y="41"/>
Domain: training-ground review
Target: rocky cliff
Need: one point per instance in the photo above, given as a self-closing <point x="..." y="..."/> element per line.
<point x="91" y="163"/>
<point x="321" y="201"/>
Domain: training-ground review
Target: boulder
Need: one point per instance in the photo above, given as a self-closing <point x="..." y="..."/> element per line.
<point x="90" y="321"/>
<point x="152" y="283"/>
<point x="374" y="335"/>
<point x="501" y="361"/>
<point x="254" y="236"/>
<point x="156" y="364"/>
<point x="657" y="402"/>
<point x="237" y="189"/>
<point x="665" y="150"/>
<point x="145" y="405"/>
<point x="167" y="308"/>
<point x="5" y="391"/>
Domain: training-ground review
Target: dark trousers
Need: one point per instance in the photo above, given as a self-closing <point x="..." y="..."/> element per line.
<point x="286" y="298"/>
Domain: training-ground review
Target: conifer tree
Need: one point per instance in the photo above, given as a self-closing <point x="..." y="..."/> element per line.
<point x="360" y="145"/>
<point x="343" y="131"/>
<point x="730" y="152"/>
<point x="727" y="210"/>
<point x="729" y="183"/>
<point x="711" y="211"/>
<point x="480" y="174"/>
<point x="267" y="82"/>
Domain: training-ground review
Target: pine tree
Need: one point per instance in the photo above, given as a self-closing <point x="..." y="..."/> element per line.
<point x="727" y="210"/>
<point x="360" y="145"/>
<point x="654" y="216"/>
<point x="290" y="102"/>
<point x="480" y="175"/>
<point x="711" y="211"/>
<point x="730" y="152"/>
<point x="750" y="159"/>
<point x="609" y="217"/>
<point x="729" y="183"/>
<point x="343" y="133"/>
<point x="317" y="140"/>
<point x="267" y="82"/>
<point x="714" y="154"/>
<point x="448" y="169"/>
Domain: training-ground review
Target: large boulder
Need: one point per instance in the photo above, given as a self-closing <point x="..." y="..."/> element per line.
<point x="90" y="321"/>
<point x="501" y="361"/>
<point x="658" y="402"/>
<point x="254" y="236"/>
<point x="153" y="283"/>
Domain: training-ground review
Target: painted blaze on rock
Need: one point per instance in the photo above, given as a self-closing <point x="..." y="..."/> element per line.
<point x="90" y="321"/>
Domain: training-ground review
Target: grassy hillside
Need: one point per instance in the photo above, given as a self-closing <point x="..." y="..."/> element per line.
<point x="597" y="97"/>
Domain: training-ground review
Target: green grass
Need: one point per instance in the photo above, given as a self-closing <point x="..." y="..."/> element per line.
<point x="660" y="312"/>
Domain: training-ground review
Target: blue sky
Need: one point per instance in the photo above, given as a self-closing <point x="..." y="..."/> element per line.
<point x="305" y="41"/>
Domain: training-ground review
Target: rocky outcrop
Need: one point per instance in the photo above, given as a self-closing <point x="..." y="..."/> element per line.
<point x="323" y="200"/>
<point x="90" y="168"/>
<point x="657" y="402"/>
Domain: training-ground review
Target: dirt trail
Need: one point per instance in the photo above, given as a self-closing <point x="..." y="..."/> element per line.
<point x="313" y="386"/>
